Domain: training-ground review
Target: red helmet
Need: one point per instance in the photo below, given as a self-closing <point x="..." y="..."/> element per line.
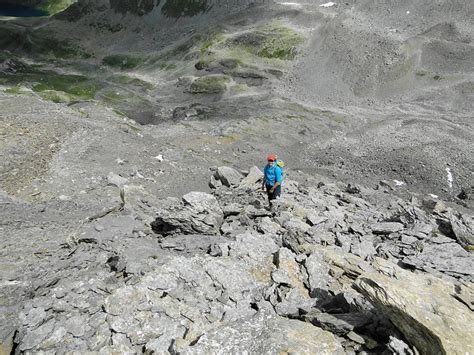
<point x="272" y="157"/>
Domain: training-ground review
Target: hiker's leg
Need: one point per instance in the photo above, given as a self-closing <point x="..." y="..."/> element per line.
<point x="277" y="192"/>
<point x="269" y="195"/>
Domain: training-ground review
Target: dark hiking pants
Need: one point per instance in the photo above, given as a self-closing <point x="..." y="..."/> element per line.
<point x="276" y="193"/>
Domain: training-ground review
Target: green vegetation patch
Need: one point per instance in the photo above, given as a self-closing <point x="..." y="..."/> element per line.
<point x="271" y="41"/>
<point x="54" y="6"/>
<point x="58" y="48"/>
<point x="78" y="87"/>
<point x="56" y="96"/>
<point x="195" y="47"/>
<point x="15" y="90"/>
<point x="210" y="84"/>
<point x="127" y="80"/>
<point x="124" y="101"/>
<point x="123" y="61"/>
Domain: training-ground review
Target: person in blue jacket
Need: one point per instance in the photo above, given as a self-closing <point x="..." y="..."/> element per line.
<point x="272" y="178"/>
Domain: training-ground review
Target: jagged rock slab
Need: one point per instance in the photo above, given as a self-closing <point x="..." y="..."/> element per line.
<point x="422" y="307"/>
<point x="229" y="176"/>
<point x="252" y="179"/>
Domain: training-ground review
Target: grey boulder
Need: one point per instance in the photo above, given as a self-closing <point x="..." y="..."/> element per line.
<point x="198" y="213"/>
<point x="229" y="176"/>
<point x="252" y="179"/>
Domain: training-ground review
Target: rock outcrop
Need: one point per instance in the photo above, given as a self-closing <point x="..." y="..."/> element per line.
<point x="423" y="307"/>
<point x="221" y="273"/>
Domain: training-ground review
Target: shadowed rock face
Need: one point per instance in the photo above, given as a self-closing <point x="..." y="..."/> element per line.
<point x="135" y="7"/>
<point x="28" y="3"/>
<point x="173" y="8"/>
<point x="178" y="8"/>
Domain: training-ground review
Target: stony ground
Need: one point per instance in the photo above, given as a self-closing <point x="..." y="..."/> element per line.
<point x="375" y="95"/>
<point x="220" y="272"/>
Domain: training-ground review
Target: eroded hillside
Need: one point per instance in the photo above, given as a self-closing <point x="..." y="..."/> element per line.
<point x="111" y="107"/>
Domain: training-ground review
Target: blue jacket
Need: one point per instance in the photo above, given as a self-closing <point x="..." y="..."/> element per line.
<point x="272" y="174"/>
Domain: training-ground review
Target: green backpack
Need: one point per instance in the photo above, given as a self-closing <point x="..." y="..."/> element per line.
<point x="281" y="165"/>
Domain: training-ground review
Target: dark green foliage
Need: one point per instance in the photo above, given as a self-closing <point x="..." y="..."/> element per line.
<point x="136" y="7"/>
<point x="39" y="42"/>
<point x="180" y="8"/>
<point x="122" y="61"/>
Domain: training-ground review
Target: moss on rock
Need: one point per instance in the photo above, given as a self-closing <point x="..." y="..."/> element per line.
<point x="122" y="61"/>
<point x="130" y="81"/>
<point x="210" y="84"/>
<point x="271" y="41"/>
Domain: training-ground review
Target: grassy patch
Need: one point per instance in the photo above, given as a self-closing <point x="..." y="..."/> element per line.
<point x="195" y="46"/>
<point x="127" y="80"/>
<point x="124" y="102"/>
<point x="76" y="87"/>
<point x="167" y="66"/>
<point x="210" y="84"/>
<point x="271" y="41"/>
<point x="56" y="96"/>
<point x="14" y="90"/>
<point x="54" y="6"/>
<point x="123" y="61"/>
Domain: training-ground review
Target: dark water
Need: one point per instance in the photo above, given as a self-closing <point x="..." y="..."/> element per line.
<point x="20" y="11"/>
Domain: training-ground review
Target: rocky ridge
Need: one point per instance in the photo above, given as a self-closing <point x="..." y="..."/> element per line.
<point x="330" y="269"/>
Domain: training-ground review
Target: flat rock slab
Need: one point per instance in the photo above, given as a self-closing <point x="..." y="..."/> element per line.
<point x="266" y="333"/>
<point x="386" y="227"/>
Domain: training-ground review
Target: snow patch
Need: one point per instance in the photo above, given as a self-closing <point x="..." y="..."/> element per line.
<point x="450" y="177"/>
<point x="328" y="4"/>
<point x="293" y="4"/>
<point x="399" y="183"/>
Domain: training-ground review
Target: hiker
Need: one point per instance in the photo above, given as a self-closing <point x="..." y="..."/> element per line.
<point x="272" y="178"/>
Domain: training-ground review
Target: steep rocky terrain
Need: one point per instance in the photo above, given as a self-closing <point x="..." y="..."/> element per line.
<point x="221" y="273"/>
<point x="113" y="111"/>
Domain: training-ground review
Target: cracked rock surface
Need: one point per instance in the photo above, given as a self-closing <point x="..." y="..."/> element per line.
<point x="317" y="274"/>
